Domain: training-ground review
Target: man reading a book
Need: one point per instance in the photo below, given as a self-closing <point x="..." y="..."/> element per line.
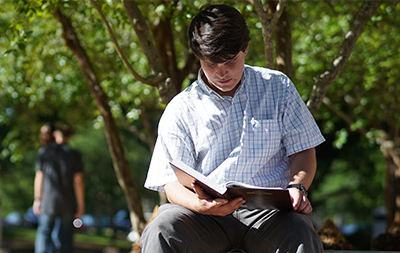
<point x="234" y="123"/>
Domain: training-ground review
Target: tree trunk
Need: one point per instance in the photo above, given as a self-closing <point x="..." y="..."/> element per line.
<point x="283" y="42"/>
<point x="164" y="43"/>
<point x="396" y="219"/>
<point x="114" y="143"/>
<point x="392" y="177"/>
<point x="1" y="225"/>
<point x="389" y="187"/>
<point x="268" y="24"/>
<point x="267" y="34"/>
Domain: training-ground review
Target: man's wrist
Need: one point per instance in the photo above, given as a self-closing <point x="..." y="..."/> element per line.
<point x="37" y="198"/>
<point x="300" y="187"/>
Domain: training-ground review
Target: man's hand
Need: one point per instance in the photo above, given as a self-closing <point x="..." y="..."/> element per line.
<point x="79" y="212"/>
<point x="199" y="201"/>
<point x="218" y="207"/>
<point x="300" y="202"/>
<point x="36" y="207"/>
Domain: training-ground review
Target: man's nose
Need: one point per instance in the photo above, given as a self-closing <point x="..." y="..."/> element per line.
<point x="221" y="71"/>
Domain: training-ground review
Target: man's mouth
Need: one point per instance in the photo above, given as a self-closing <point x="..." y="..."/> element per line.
<point x="224" y="81"/>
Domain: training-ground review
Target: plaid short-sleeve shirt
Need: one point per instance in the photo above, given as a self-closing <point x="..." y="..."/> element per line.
<point x="248" y="137"/>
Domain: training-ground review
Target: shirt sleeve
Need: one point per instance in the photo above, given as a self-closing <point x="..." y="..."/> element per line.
<point x="78" y="166"/>
<point x="39" y="159"/>
<point x="173" y="142"/>
<point x="300" y="131"/>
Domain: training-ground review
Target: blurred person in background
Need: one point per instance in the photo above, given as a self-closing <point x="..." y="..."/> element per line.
<point x="46" y="134"/>
<point x="58" y="193"/>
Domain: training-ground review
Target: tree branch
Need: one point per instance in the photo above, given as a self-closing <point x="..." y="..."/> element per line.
<point x="148" y="138"/>
<point x="161" y="80"/>
<point x="148" y="81"/>
<point x="323" y="81"/>
<point x="278" y="12"/>
<point x="388" y="148"/>
<point x="342" y="115"/>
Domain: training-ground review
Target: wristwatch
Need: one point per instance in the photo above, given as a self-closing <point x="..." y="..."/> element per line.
<point x="300" y="187"/>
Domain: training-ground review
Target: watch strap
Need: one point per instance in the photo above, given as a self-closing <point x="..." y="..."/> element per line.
<point x="300" y="187"/>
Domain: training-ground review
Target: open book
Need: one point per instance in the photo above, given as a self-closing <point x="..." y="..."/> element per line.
<point x="256" y="197"/>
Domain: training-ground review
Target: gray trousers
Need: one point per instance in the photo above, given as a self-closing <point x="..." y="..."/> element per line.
<point x="177" y="229"/>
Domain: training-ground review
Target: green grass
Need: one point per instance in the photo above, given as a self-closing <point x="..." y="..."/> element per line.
<point x="101" y="240"/>
<point x="20" y="233"/>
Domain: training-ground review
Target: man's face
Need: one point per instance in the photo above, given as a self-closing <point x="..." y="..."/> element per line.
<point x="224" y="77"/>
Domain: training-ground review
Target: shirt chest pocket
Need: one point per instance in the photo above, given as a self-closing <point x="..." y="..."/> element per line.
<point x="261" y="138"/>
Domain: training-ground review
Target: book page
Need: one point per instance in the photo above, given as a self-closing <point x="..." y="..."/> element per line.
<point x="244" y="185"/>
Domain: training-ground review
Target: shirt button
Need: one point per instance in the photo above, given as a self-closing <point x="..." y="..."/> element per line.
<point x="240" y="128"/>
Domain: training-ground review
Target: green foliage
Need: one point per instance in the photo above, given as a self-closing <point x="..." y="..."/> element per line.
<point x="16" y="181"/>
<point x="36" y="83"/>
<point x="365" y="91"/>
<point x="352" y="184"/>
<point x="341" y="138"/>
<point x="351" y="167"/>
<point x="318" y="29"/>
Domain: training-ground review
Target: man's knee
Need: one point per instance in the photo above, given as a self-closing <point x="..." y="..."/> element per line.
<point x="166" y="230"/>
<point x="286" y="232"/>
<point x="177" y="229"/>
<point x="169" y="222"/>
<point x="170" y="218"/>
<point x="302" y="233"/>
<point x="299" y="224"/>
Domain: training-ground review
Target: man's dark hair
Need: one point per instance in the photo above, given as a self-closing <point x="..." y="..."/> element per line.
<point x="218" y="33"/>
